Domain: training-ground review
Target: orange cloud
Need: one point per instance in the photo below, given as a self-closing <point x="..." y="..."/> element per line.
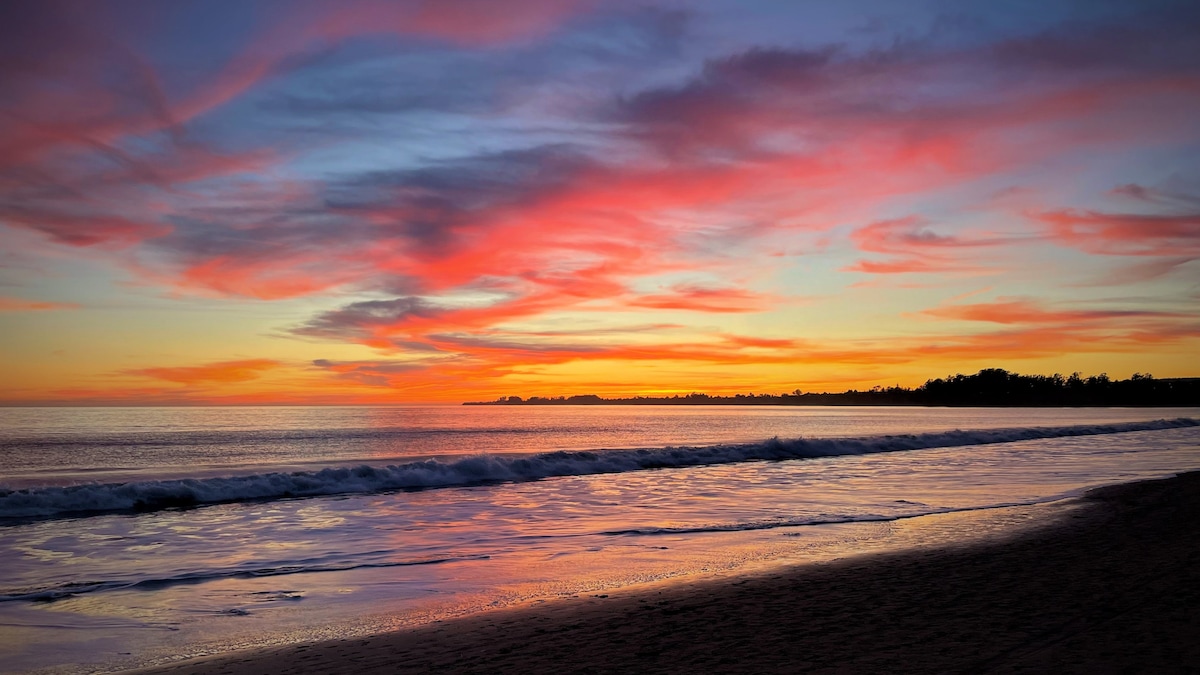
<point x="22" y="305"/>
<point x="1030" y="312"/>
<point x="1032" y="331"/>
<point x="222" y="372"/>
<point x="696" y="298"/>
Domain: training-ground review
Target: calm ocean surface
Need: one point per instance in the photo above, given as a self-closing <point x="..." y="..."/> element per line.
<point x="138" y="535"/>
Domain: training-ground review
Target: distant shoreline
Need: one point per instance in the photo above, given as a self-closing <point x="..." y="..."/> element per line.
<point x="992" y="387"/>
<point x="717" y="401"/>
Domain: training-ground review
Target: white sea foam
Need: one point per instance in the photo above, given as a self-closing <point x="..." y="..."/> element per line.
<point x="86" y="499"/>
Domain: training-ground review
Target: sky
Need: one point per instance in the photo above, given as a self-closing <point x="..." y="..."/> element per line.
<point x="298" y="202"/>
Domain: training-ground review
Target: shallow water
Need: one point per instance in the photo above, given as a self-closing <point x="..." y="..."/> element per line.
<point x="122" y="589"/>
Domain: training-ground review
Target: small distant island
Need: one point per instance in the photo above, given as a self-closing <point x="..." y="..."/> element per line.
<point x="988" y="387"/>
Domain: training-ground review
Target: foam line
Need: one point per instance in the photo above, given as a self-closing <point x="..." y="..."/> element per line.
<point x="96" y="498"/>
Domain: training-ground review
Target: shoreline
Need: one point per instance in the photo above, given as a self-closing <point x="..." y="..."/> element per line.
<point x="1113" y="586"/>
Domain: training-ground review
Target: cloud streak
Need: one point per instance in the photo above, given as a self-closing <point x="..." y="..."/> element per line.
<point x="8" y="304"/>
<point x="210" y="373"/>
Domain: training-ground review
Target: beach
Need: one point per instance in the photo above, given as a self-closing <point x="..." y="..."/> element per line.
<point x="1109" y="582"/>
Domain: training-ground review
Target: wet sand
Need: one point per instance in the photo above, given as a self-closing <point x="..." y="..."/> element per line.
<point x="1109" y="587"/>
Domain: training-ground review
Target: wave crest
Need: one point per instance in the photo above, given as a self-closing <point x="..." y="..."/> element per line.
<point x="95" y="498"/>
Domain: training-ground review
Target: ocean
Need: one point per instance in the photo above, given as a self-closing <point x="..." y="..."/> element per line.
<point x="136" y="536"/>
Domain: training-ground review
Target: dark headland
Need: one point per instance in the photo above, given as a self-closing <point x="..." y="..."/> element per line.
<point x="1110" y="584"/>
<point x="989" y="387"/>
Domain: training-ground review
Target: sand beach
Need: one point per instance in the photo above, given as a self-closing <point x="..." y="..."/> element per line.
<point x="1106" y="583"/>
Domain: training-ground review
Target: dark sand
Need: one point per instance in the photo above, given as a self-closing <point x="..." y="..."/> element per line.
<point x="1113" y="587"/>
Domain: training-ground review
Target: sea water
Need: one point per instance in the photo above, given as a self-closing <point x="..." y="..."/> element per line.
<point x="133" y="536"/>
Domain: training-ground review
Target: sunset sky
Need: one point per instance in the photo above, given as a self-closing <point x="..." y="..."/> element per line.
<point x="371" y="202"/>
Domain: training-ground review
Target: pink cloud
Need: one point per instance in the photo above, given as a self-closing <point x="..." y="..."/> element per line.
<point x="1129" y="234"/>
<point x="915" y="246"/>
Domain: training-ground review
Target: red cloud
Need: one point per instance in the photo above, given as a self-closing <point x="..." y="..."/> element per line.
<point x="605" y="218"/>
<point x="85" y="230"/>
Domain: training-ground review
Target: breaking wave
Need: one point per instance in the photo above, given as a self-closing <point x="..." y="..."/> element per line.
<point x="94" y="498"/>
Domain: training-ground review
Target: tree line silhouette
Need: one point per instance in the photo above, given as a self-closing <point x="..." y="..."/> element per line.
<point x="988" y="387"/>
